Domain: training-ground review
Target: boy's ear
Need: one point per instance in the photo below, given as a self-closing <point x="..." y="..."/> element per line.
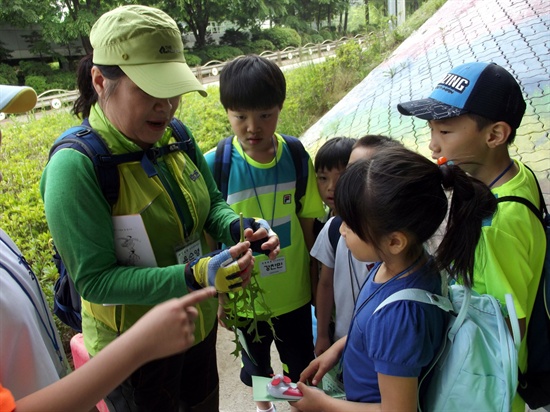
<point x="498" y="134"/>
<point x="397" y="242"/>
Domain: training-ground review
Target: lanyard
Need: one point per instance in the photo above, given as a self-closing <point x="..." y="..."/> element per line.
<point x="353" y="277"/>
<point x="254" y="184"/>
<point x="403" y="272"/>
<point x="501" y="174"/>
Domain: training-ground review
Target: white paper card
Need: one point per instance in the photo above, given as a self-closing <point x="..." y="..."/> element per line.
<point x="132" y="245"/>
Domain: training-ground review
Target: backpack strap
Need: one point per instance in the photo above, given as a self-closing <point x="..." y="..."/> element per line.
<point x="222" y="164"/>
<point x="181" y="134"/>
<point x="418" y="295"/>
<point x="445" y="304"/>
<point x="300" y="158"/>
<point x="334" y="232"/>
<point x="538" y="213"/>
<point x="87" y="141"/>
<point x="541" y="213"/>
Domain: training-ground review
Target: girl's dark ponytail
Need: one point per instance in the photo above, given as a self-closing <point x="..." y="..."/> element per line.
<point x="471" y="203"/>
<point x="88" y="95"/>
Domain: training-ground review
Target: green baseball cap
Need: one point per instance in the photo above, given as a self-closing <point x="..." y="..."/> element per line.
<point x="146" y="44"/>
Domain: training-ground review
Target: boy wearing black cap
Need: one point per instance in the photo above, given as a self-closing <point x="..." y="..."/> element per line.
<point x="473" y="114"/>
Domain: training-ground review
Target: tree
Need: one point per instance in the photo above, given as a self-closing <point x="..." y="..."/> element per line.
<point x="37" y="45"/>
<point x="5" y="53"/>
<point x="196" y="14"/>
<point x="251" y="13"/>
<point x="60" y="21"/>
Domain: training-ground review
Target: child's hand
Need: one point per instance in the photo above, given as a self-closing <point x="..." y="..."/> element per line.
<point x="168" y="328"/>
<point x="260" y="235"/>
<point x="227" y="270"/>
<point x="318" y="367"/>
<point x="313" y="400"/>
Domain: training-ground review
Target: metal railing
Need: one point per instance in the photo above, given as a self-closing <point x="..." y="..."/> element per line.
<point x="209" y="72"/>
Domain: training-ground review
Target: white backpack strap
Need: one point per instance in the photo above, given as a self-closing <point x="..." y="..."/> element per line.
<point x="514" y="322"/>
<point x="418" y="295"/>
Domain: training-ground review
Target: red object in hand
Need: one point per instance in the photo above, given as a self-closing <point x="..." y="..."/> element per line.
<point x="282" y="387"/>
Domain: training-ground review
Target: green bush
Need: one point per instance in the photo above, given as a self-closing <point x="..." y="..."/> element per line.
<point x="317" y="38"/>
<point x="192" y="60"/>
<point x="32" y="68"/>
<point x="62" y="80"/>
<point x="7" y="74"/>
<point x="259" y="46"/>
<point x="282" y="37"/>
<point x="326" y="35"/>
<point x="38" y="83"/>
<point x="235" y="38"/>
<point x="223" y="53"/>
<point x="306" y="38"/>
<point x="298" y="24"/>
<point x="201" y="54"/>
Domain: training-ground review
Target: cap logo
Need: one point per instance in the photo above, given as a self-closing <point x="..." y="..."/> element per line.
<point x="457" y="83"/>
<point x="169" y="50"/>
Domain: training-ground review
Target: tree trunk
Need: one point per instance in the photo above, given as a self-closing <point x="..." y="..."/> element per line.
<point x="86" y="45"/>
<point x="367" y="15"/>
<point x="346" y="15"/>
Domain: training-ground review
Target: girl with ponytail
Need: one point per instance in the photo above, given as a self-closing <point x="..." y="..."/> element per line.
<point x="390" y="206"/>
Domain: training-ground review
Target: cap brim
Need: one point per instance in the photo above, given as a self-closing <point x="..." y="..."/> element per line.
<point x="16" y="99"/>
<point x="164" y="80"/>
<point x="429" y="109"/>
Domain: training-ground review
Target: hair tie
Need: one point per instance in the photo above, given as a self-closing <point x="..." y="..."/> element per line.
<point x="443" y="160"/>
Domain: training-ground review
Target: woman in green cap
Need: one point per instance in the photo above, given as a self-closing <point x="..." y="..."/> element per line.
<point x="130" y="88"/>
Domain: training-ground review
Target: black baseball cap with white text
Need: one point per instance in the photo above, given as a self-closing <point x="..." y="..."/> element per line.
<point x="485" y="89"/>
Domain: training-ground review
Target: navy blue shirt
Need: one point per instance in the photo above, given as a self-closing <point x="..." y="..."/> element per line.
<point x="399" y="340"/>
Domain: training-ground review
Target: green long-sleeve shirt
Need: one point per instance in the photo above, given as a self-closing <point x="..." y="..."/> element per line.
<point x="80" y="220"/>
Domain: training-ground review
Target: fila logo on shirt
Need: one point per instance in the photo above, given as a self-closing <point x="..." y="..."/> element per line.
<point x="287" y="199"/>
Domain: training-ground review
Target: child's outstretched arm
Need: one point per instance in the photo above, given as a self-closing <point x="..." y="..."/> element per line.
<point x="165" y="330"/>
<point x="318" y="367"/>
<point x="315" y="400"/>
<point x="398" y="394"/>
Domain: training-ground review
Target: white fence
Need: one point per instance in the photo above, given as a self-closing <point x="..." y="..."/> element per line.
<point x="209" y="72"/>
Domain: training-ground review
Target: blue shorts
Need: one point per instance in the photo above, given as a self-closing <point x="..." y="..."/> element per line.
<point x="294" y="344"/>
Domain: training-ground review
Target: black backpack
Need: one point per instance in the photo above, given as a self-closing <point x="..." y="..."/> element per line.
<point x="534" y="384"/>
<point x="83" y="138"/>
